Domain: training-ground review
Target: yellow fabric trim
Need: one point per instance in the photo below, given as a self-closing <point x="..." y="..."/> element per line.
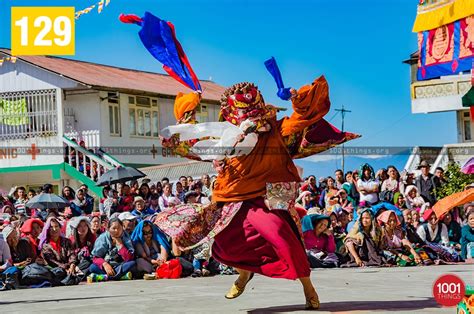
<point x="445" y="12"/>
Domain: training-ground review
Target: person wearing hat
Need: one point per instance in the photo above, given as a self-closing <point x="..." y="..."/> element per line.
<point x="140" y="210"/>
<point x="190" y="197"/>
<point x="129" y="221"/>
<point x="425" y="183"/>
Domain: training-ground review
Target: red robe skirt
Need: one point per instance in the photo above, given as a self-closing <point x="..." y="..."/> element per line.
<point x="262" y="241"/>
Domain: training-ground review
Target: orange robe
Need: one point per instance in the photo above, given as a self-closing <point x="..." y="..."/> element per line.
<point x="245" y="177"/>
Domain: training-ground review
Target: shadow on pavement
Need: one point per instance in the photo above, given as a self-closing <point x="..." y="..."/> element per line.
<point x="347" y="306"/>
<point x="58" y="300"/>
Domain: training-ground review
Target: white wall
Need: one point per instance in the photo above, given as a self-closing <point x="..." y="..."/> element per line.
<point x="437" y="104"/>
<point x="35" y="178"/>
<point x="139" y="149"/>
<point x="86" y="108"/>
<point x="22" y="76"/>
<point x="14" y="153"/>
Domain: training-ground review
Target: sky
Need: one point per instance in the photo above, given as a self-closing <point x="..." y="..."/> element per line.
<point x="358" y="45"/>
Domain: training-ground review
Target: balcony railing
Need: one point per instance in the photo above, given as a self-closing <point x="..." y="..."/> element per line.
<point x="90" y="137"/>
<point x="28" y="114"/>
<point x="440" y="88"/>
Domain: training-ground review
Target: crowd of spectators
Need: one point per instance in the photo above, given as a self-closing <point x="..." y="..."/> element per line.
<point x="114" y="240"/>
<point x="383" y="218"/>
<point x="358" y="218"/>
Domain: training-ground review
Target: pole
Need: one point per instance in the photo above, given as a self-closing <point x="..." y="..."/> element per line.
<point x="343" y="114"/>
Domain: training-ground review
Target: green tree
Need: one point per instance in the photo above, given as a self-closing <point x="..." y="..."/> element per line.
<point x="456" y="181"/>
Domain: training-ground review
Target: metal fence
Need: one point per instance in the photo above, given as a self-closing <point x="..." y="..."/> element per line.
<point x="28" y="114"/>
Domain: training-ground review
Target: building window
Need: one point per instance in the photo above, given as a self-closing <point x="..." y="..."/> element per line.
<point x="467" y="130"/>
<point x="114" y="113"/>
<point x="143" y="116"/>
<point x="466" y="127"/>
<point x="202" y="114"/>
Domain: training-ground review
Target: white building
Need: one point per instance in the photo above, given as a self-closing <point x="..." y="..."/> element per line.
<point x="45" y="102"/>
<point x="440" y="95"/>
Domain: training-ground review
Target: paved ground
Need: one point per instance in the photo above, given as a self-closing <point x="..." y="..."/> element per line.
<point x="374" y="290"/>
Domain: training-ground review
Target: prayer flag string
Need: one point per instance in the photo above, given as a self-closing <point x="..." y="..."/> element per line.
<point x="10" y="59"/>
<point x="100" y="6"/>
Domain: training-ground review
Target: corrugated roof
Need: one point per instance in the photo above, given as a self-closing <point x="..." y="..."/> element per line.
<point x="194" y="169"/>
<point x="104" y="76"/>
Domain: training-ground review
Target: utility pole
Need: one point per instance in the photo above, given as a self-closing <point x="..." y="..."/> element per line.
<point x="343" y="114"/>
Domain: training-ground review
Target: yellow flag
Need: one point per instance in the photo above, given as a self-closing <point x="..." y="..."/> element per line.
<point x="101" y="6"/>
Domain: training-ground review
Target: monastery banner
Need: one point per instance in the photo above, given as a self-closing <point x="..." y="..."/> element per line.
<point x="446" y="50"/>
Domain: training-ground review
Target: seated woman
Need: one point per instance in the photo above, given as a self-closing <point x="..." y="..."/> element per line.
<point x="30" y="231"/>
<point x="345" y="200"/>
<point x="6" y="266"/>
<point x="365" y="241"/>
<point x="96" y="224"/>
<point x="433" y="230"/>
<point x="414" y="200"/>
<point x="80" y="205"/>
<point x="9" y="259"/>
<point x="391" y="184"/>
<point x="185" y="258"/>
<point x="467" y="236"/>
<point x="145" y="193"/>
<point x="8" y="209"/>
<point x="319" y="241"/>
<point x="68" y="194"/>
<point x="57" y="252"/>
<point x="83" y="240"/>
<point x="113" y="253"/>
<point x="167" y="200"/>
<point x="340" y="233"/>
<point x="454" y="230"/>
<point x="304" y="200"/>
<point x="395" y="241"/>
<point x="330" y="195"/>
<point x="410" y="230"/>
<point x="151" y="246"/>
<point x="435" y="235"/>
<point x="20" y="249"/>
<point x="399" y="201"/>
<point x="415" y="218"/>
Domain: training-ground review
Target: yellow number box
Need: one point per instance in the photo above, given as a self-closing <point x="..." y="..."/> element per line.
<point x="42" y="31"/>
